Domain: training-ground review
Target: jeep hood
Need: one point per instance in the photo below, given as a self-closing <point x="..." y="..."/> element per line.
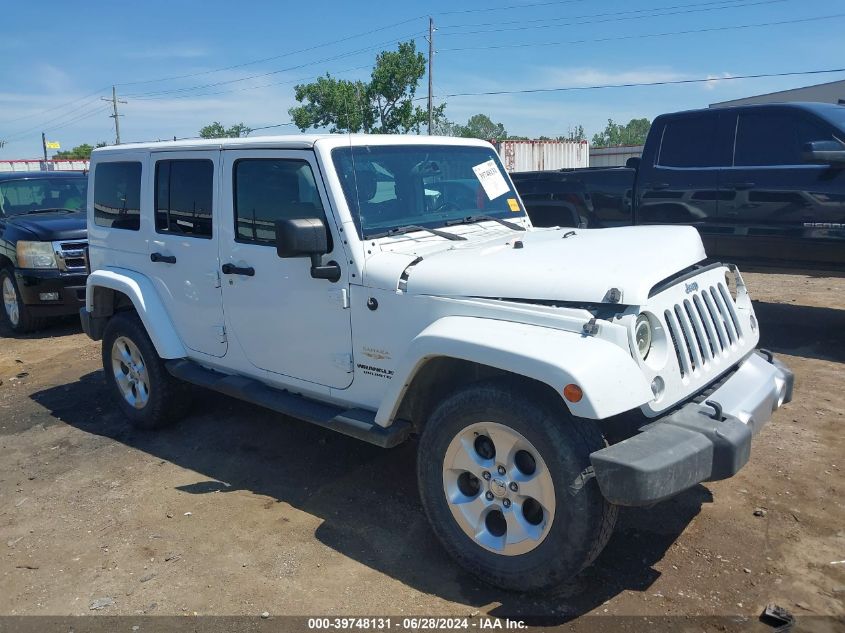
<point x="580" y="265"/>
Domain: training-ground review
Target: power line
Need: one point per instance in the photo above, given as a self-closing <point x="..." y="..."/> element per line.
<point x="273" y="72"/>
<point x="570" y="22"/>
<point x="274" y="57"/>
<point x="61" y="105"/>
<point x="268" y="85"/>
<point x="512" y="6"/>
<point x="672" y="82"/>
<point x="644" y="35"/>
<point x="85" y="115"/>
<point x="593" y="15"/>
<point x="44" y="124"/>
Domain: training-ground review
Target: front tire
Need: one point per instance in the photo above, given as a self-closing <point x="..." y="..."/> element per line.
<point x="15" y="315"/>
<point x="506" y="481"/>
<point x="146" y="393"/>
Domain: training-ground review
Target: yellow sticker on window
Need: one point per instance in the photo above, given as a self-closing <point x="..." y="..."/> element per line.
<point x="514" y="205"/>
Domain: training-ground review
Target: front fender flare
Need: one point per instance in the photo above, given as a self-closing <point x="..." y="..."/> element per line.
<point x="610" y="379"/>
<point x="148" y="305"/>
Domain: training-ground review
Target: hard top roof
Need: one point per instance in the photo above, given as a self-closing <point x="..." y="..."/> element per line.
<point x="292" y="141"/>
<point x="30" y="175"/>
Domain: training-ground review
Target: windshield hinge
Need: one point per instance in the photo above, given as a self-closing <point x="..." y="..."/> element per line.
<point x="340" y="297"/>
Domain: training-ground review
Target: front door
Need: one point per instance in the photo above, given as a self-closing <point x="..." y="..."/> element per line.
<point x="776" y="206"/>
<point x="184" y="248"/>
<point x="284" y="321"/>
<point x="682" y="186"/>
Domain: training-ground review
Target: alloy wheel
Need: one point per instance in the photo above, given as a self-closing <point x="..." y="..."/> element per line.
<point x="498" y="488"/>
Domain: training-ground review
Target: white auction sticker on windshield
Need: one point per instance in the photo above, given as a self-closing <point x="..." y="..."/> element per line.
<point x="491" y="179"/>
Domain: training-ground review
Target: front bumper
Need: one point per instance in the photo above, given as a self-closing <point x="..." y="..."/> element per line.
<point x="70" y="289"/>
<point x="700" y="441"/>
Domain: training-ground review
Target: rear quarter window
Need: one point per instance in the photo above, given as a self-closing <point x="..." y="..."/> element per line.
<point x="117" y="195"/>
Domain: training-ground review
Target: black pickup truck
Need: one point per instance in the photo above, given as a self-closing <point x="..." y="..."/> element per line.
<point x="43" y="247"/>
<point x="762" y="183"/>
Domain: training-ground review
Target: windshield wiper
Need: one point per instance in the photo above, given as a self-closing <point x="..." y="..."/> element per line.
<point x="53" y="210"/>
<point x="478" y="218"/>
<point x="401" y="230"/>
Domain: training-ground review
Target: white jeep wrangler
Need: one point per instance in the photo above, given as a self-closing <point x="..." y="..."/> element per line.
<point x="393" y="286"/>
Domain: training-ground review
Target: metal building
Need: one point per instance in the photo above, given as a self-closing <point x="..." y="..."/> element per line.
<point x="615" y="156"/>
<point x="543" y="155"/>
<point x="831" y="92"/>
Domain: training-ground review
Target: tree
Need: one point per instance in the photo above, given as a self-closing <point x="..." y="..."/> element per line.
<point x="482" y="126"/>
<point x="634" y="133"/>
<point x="216" y="130"/>
<point x="80" y="152"/>
<point x="382" y="105"/>
<point x="575" y="135"/>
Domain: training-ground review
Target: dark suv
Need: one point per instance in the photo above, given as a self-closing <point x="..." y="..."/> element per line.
<point x="43" y="246"/>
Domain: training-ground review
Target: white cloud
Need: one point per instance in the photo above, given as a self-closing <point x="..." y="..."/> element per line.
<point x="713" y="81"/>
<point x="585" y="76"/>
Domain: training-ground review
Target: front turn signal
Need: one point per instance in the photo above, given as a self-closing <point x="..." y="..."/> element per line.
<point x="573" y="393"/>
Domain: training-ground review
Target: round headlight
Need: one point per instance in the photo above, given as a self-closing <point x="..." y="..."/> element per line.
<point x="642" y="335"/>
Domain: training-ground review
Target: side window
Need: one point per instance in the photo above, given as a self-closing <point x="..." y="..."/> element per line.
<point x="272" y="189"/>
<point x="775" y="138"/>
<point x="117" y="195"/>
<point x="183" y="197"/>
<point x="690" y="141"/>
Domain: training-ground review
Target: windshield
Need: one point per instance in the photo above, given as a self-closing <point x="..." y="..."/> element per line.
<point x="33" y="194"/>
<point x="395" y="186"/>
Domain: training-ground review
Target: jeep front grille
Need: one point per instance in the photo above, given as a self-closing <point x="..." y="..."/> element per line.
<point x="72" y="256"/>
<point x="703" y="327"/>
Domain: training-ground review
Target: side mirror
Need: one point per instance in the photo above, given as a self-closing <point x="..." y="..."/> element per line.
<point x="829" y="152"/>
<point x="633" y="162"/>
<point x="301" y="237"/>
<point x="306" y="237"/>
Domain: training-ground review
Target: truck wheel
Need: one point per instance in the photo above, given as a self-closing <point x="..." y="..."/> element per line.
<point x="506" y="481"/>
<point x="146" y="393"/>
<point x="15" y="316"/>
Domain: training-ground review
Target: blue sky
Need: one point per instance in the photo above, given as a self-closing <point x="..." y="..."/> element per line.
<point x="57" y="53"/>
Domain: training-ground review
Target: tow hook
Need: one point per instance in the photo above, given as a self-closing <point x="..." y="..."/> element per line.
<point x="768" y="354"/>
<point x="717" y="410"/>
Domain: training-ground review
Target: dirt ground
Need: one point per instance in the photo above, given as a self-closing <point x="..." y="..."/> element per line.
<point x="240" y="511"/>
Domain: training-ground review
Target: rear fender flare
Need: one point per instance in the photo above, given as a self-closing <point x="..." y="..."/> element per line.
<point x="140" y="290"/>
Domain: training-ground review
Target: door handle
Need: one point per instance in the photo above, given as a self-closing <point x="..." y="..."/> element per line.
<point x="165" y="259"/>
<point x="658" y="185"/>
<point x="741" y="186"/>
<point x="231" y="269"/>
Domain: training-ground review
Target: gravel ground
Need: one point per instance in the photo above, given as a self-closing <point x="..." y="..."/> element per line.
<point x="240" y="511"/>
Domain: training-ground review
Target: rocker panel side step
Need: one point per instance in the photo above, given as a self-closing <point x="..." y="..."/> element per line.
<point x="357" y="423"/>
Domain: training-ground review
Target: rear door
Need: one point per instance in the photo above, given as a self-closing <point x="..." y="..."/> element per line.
<point x="682" y="184"/>
<point x="777" y="207"/>
<point x="183" y="249"/>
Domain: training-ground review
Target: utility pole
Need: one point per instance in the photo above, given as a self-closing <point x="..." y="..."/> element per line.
<point x="430" y="75"/>
<point x="114" y="100"/>
<point x="44" y="145"/>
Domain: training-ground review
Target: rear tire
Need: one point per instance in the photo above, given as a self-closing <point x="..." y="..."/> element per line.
<point x="521" y="511"/>
<point x="145" y="391"/>
<point x="15" y="315"/>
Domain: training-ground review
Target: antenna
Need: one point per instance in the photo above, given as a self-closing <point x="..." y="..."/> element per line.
<point x="352" y="158"/>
